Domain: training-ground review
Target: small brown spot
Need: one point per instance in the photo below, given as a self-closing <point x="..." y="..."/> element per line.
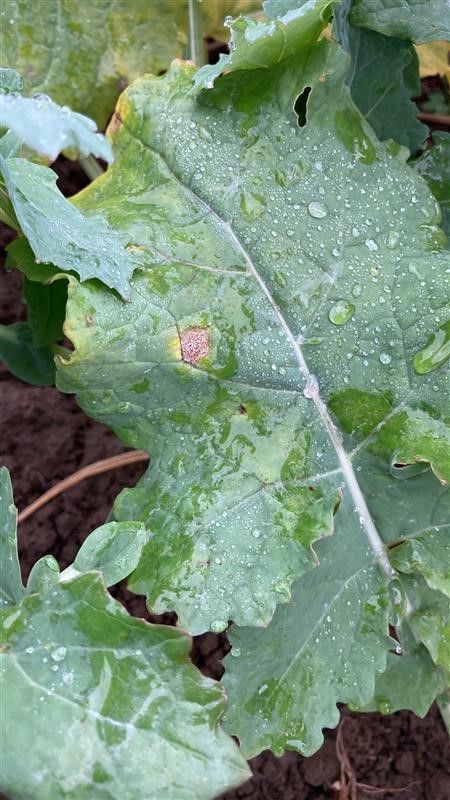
<point x="194" y="345"/>
<point x="116" y="121"/>
<point x="242" y="409"/>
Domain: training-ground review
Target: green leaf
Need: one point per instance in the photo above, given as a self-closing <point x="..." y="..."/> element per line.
<point x="46" y="307"/>
<point x="418" y="20"/>
<point x="383" y="77"/>
<point x="114" y="549"/>
<point x="48" y="128"/>
<point x="434" y="166"/>
<point x="411" y="681"/>
<point x="429" y="619"/>
<point x="270" y="253"/>
<point x="67" y="657"/>
<point x="255" y="44"/>
<point x="26" y="361"/>
<point x="428" y="554"/>
<point x="11" y="587"/>
<point x="44" y="575"/>
<point x="324" y="647"/>
<point x="59" y="234"/>
<point x="84" y="60"/>
<point x="10" y="82"/>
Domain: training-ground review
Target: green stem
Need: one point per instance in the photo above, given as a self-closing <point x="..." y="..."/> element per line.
<point x="7" y="214"/>
<point x="91" y="167"/>
<point x="196" y="43"/>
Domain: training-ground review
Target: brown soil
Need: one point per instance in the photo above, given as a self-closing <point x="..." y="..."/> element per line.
<point x="46" y="437"/>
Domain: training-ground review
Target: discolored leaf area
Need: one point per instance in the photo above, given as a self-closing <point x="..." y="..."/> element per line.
<point x="83" y="54"/>
<point x="282" y="253"/>
<point x="67" y="652"/>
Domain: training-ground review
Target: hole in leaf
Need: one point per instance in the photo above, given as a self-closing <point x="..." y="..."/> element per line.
<point x="300" y="106"/>
<point x="242" y="409"/>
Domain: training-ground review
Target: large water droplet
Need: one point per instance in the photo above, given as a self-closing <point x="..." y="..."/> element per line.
<point x="59" y="653"/>
<point x="436" y="351"/>
<point x="392" y="239"/>
<point x="385" y="358"/>
<point x="357" y="290"/>
<point x="217" y="626"/>
<point x="341" y="312"/>
<point x="317" y="210"/>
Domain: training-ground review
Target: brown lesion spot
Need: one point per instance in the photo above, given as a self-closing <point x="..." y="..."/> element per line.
<point x="116" y="121"/>
<point x="194" y="344"/>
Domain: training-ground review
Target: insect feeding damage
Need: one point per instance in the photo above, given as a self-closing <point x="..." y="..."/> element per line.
<point x="194" y="345"/>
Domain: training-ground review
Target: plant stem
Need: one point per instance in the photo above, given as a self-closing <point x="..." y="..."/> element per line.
<point x="96" y="468"/>
<point x="7" y="214"/>
<point x="91" y="167"/>
<point x="196" y="45"/>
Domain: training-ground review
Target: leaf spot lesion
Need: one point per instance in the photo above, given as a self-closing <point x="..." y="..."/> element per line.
<point x="194" y="344"/>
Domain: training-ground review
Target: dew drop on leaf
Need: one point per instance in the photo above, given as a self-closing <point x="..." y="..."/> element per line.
<point x="385" y="358"/>
<point x="317" y="210"/>
<point x="59" y="653"/>
<point x="436" y="351"/>
<point x="341" y="312"/>
<point x="217" y="626"/>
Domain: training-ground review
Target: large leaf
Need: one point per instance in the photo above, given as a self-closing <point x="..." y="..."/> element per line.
<point x="270" y="253"/>
<point x="67" y="657"/>
<point x="58" y="233"/>
<point x="418" y="20"/>
<point x="325" y="646"/>
<point x="84" y="56"/>
<point x="383" y="77"/>
<point x="11" y="587"/>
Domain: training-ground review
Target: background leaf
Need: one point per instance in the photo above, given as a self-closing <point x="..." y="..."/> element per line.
<point x="434" y="166"/>
<point x="59" y="234"/>
<point x="48" y="128"/>
<point x="418" y="20"/>
<point x="84" y="57"/>
<point x="76" y="648"/>
<point x="114" y="549"/>
<point x="26" y="361"/>
<point x="11" y="588"/>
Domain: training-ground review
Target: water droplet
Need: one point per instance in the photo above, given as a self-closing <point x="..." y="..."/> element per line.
<point x="385" y="358"/>
<point x="384" y="707"/>
<point x="312" y="387"/>
<point x="317" y="210"/>
<point x="392" y="240"/>
<point x="59" y="653"/>
<point x="341" y="312"/>
<point x="256" y="533"/>
<point x="217" y="626"/>
<point x="371" y="244"/>
<point x="357" y="290"/>
<point x="235" y="652"/>
<point x="436" y="351"/>
<point x="29" y="650"/>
